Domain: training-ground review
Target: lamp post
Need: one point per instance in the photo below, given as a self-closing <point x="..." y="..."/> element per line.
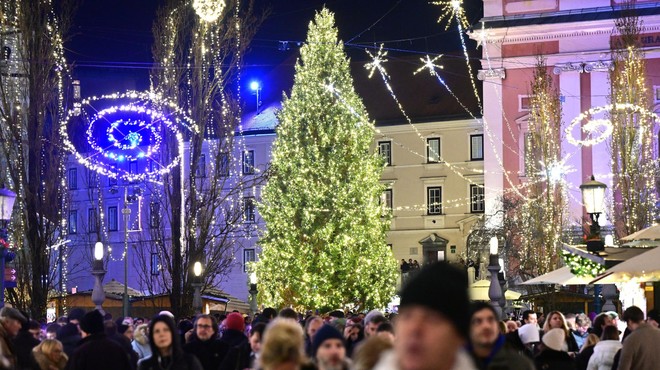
<point x="127" y="213"/>
<point x="98" y="295"/>
<point x="253" y="293"/>
<point x="256" y="87"/>
<point x="593" y="197"/>
<point x="7" y="198"/>
<point x="495" y="290"/>
<point x="197" y="285"/>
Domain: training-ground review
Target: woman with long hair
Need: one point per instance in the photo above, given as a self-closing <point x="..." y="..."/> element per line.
<point x="49" y="355"/>
<point x="556" y="320"/>
<point x="166" y="350"/>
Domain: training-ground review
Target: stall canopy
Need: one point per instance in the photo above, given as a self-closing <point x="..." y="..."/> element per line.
<point x="562" y="276"/>
<point x="644" y="267"/>
<point x="479" y="292"/>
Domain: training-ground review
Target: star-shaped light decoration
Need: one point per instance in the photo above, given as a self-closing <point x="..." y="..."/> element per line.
<point x="452" y="9"/>
<point x="377" y="64"/>
<point x="429" y="64"/>
<point x="555" y="171"/>
<point x="209" y="10"/>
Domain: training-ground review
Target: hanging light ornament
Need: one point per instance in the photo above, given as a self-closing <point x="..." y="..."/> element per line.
<point x="209" y="10"/>
<point x="127" y="132"/>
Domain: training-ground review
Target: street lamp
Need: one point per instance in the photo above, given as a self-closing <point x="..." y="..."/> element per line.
<point x="197" y="285"/>
<point x="7" y="198"/>
<point x="98" y="295"/>
<point x="495" y="290"/>
<point x="127" y="214"/>
<point x="253" y="292"/>
<point x="256" y="87"/>
<point x="593" y="197"/>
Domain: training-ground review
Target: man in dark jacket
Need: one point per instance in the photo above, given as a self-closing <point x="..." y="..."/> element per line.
<point x="488" y="347"/>
<point x="69" y="335"/>
<point x="204" y="343"/>
<point x="24" y="343"/>
<point x="234" y="333"/>
<point x="11" y="321"/>
<point x="244" y="356"/>
<point x="95" y="351"/>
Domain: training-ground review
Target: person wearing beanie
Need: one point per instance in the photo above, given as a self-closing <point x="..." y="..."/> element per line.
<point x="234" y="332"/>
<point x="433" y="322"/>
<point x="329" y="350"/>
<point x="204" y="343"/>
<point x="95" y="351"/>
<point x="371" y="322"/>
<point x="554" y="356"/>
<point x="75" y="315"/>
<point x="488" y="346"/>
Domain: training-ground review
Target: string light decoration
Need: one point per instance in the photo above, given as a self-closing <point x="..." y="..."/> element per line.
<point x="209" y="10"/>
<point x="544" y="218"/>
<point x="128" y="132"/>
<point x="597" y="130"/>
<point x="452" y="9"/>
<point x="580" y="266"/>
<point x="633" y="134"/>
<point x="338" y="257"/>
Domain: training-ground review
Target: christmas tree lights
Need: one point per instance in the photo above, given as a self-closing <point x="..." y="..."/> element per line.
<point x="324" y="246"/>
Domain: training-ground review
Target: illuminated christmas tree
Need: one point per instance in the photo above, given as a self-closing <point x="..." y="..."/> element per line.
<point x="543" y="212"/>
<point x="631" y="148"/>
<point x="324" y="246"/>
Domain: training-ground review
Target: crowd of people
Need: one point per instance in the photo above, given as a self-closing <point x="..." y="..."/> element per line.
<point x="436" y="328"/>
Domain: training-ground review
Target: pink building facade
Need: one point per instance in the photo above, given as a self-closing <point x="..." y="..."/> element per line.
<point x="574" y="38"/>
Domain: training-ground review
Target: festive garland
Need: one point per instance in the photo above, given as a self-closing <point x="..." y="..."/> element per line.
<point x="580" y="266"/>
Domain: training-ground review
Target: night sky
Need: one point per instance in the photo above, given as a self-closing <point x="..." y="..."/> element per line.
<point x="110" y="42"/>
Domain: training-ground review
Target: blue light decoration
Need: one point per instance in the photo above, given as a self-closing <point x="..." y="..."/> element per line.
<point x="129" y="131"/>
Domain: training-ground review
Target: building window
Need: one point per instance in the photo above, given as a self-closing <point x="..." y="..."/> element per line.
<point x="223" y="164"/>
<point x="92" y="220"/>
<point x="249" y="255"/>
<point x="477" y="147"/>
<point x="73" y="178"/>
<point x="386" y="200"/>
<point x="154" y="215"/>
<point x="248" y="162"/>
<point x="477" y="199"/>
<point x="112" y="181"/>
<point x="113" y="224"/>
<point x="248" y="209"/>
<point x="92" y="179"/>
<point x="201" y="166"/>
<point x="433" y="150"/>
<point x="155" y="264"/>
<point x="385" y="150"/>
<point x="434" y="200"/>
<point x="413" y="251"/>
<point x="133" y="167"/>
<point x="73" y="222"/>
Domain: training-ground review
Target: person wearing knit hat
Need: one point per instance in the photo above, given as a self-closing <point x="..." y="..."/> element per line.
<point x="96" y="351"/>
<point x="328" y="349"/>
<point x="234" y="330"/>
<point x="433" y="322"/>
<point x="552" y="356"/>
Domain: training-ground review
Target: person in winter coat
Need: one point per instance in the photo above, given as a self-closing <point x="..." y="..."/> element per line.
<point x="140" y="342"/>
<point x="553" y="356"/>
<point x="587" y="350"/>
<point x="69" y="336"/>
<point x="204" y="343"/>
<point x="488" y="346"/>
<point x="604" y="351"/>
<point x="95" y="351"/>
<point x="556" y="320"/>
<point x="49" y="355"/>
<point x="166" y="350"/>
